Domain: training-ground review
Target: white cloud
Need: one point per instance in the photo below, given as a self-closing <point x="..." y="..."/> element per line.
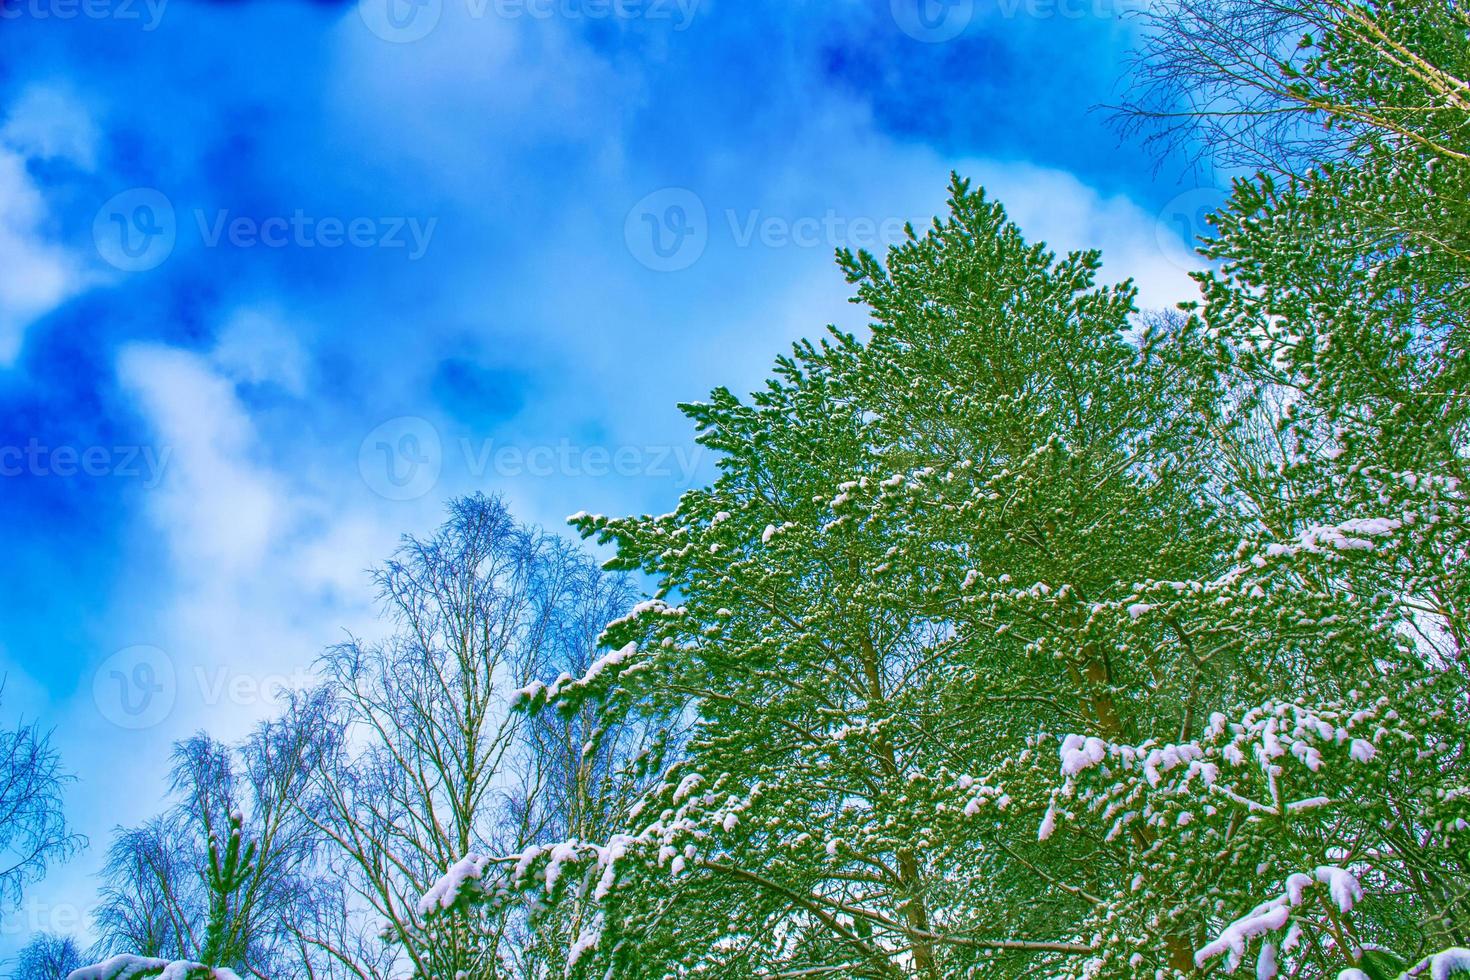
<point x="37" y="276"/>
<point x="217" y="507"/>
<point x="267" y="550"/>
<point x="1056" y="207"/>
<point x="481" y="88"/>
<point x="259" y="346"/>
<point x="48" y="122"/>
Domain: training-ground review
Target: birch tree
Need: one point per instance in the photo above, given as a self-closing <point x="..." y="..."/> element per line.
<point x="46" y="957"/>
<point x="34" y="831"/>
<point x="434" y="765"/>
<point x="232" y="873"/>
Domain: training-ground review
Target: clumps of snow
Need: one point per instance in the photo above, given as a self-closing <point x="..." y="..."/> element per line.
<point x="1439" y="966"/>
<point x="128" y="967"/>
<point x="1353" y="535"/>
<point x="1274" y="914"/>
<point x="1312" y="736"/>
<point x="587" y="940"/>
<point x="1443" y="965"/>
<point x="1265" y="918"/>
<point x="687" y="786"/>
<point x="1079" y="753"/>
<point x="1342" y="886"/>
<point x="1357" y="534"/>
<point x="541" y="864"/>
<point x="981" y="795"/>
<point x="1048" y="823"/>
<point x="462" y="875"/>
<point x="1266" y="962"/>
<point x="647" y="607"/>
<point x="536" y="694"/>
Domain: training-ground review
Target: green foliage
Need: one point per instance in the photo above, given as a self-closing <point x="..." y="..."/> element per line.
<point x="898" y="582"/>
<point x="1029" y="636"/>
<point x="230" y="868"/>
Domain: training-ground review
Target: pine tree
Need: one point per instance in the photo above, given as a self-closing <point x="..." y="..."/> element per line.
<point x="1028" y="636"/>
<point x="904" y="575"/>
<point x="230" y="870"/>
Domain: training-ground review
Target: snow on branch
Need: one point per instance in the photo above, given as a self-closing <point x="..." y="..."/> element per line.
<point x="127" y="967"/>
<point x="536" y="695"/>
<point x="1231" y="763"/>
<point x="1273" y="915"/>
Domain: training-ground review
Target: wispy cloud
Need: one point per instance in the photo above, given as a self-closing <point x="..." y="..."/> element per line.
<point x="44" y="123"/>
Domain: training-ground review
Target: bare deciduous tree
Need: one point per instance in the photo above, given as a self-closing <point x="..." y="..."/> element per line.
<point x="47" y="957"/>
<point x="231" y="873"/>
<point x="434" y="764"/>
<point x="1237" y="81"/>
<point x="33" y="828"/>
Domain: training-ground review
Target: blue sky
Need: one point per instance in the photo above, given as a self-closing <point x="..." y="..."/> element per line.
<point x="277" y="278"/>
